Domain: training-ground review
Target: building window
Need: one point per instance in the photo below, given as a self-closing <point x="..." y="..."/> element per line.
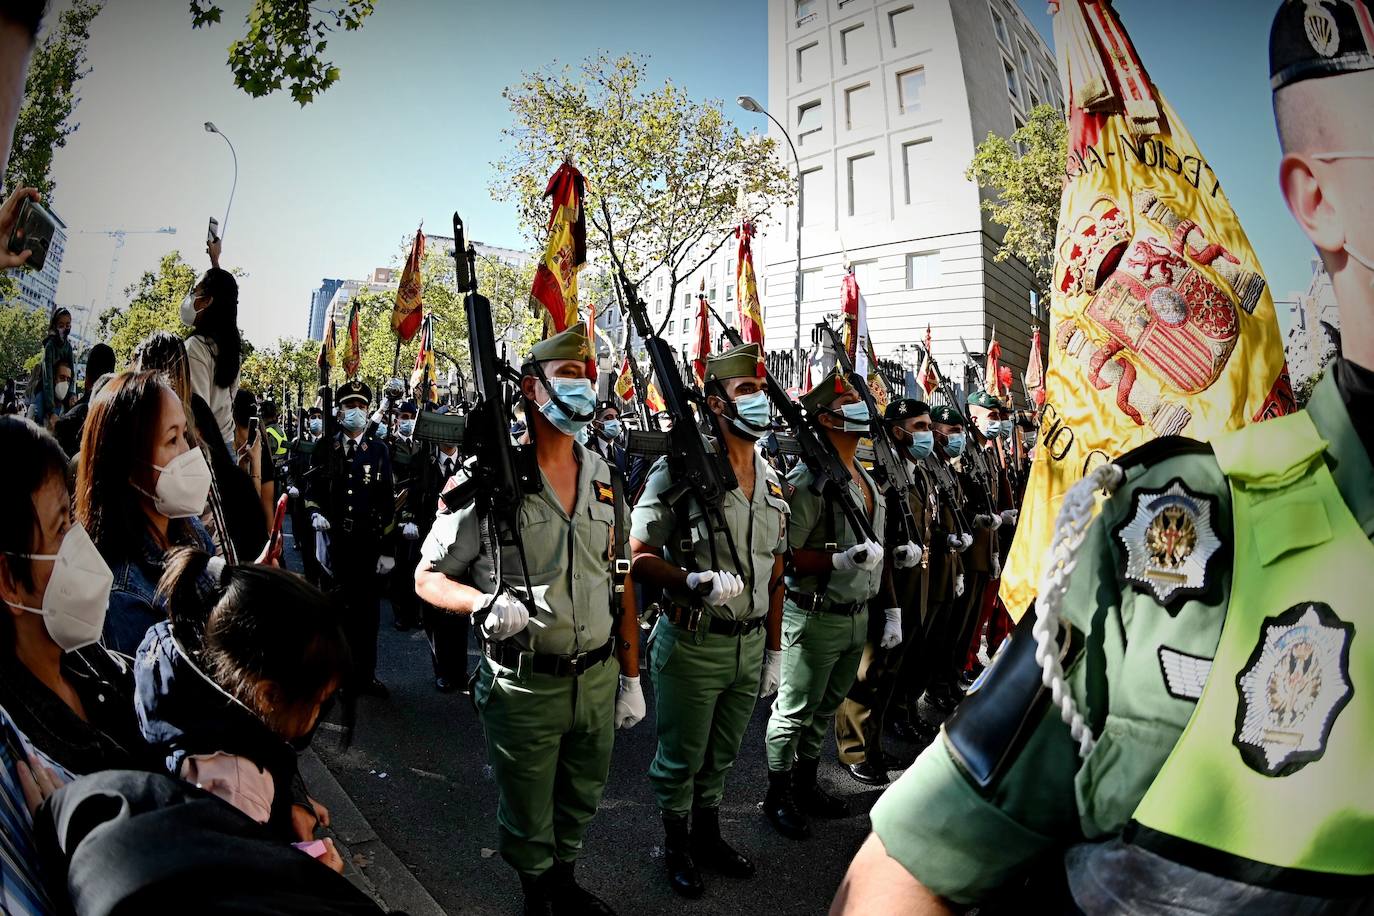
<point x="660" y="284"/>
<point x="711" y="269"/>
<point x="811" y="284"/>
<point x="913" y="155"/>
<point x="858" y="106"/>
<point x="658" y="306"/>
<point x="686" y="300"/>
<point x="851" y="44"/>
<point x="808" y="121"/>
<point x="922" y="270"/>
<point x="807" y="56"/>
<point x="863" y="183"/>
<point x="730" y="267"/>
<point x="1020" y="146"/>
<point x="1045" y="84"/>
<point x="999" y="25"/>
<point x="1013" y="84"/>
<point x="901" y="26"/>
<point x="810" y="187"/>
<point x="1025" y="61"/>
<point x="806" y="11"/>
<point x="1034" y="97"/>
<point x="729" y="292"/>
<point x="911" y="86"/>
<point x="866" y="275"/>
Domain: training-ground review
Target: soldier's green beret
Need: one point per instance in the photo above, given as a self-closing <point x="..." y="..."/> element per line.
<point x="569" y="344"/>
<point x="825" y="392"/>
<point x="737" y="362"/>
<point x="947" y="415"/>
<point x="981" y="398"/>
<point x="355" y="388"/>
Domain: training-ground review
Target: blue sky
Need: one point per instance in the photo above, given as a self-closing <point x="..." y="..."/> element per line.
<point x="409" y="132"/>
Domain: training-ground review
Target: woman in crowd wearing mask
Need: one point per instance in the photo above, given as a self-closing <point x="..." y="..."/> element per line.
<point x="241" y="511"/>
<point x="229" y="709"/>
<point x="211" y="309"/>
<point x="49" y="398"/>
<point x="100" y="361"/>
<point x="140" y="491"/>
<point x="250" y="451"/>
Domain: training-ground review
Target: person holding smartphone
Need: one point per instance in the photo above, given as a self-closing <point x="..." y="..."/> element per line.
<point x="213" y="348"/>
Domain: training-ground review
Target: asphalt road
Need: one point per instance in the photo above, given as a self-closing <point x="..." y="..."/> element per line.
<point x="417" y="770"/>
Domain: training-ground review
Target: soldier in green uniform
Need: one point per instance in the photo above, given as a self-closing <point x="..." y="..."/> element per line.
<point x="1208" y="649"/>
<point x="708" y="653"/>
<point x="832" y="576"/>
<point x="546" y="689"/>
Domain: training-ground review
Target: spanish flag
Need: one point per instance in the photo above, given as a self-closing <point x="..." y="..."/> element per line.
<point x="410" y="310"/>
<point x="1161" y="322"/>
<point x="352" y="355"/>
<point x="555" y="281"/>
<point x="625" y="382"/>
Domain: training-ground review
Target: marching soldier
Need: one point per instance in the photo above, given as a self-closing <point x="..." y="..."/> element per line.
<point x="832" y="575"/>
<point x="351" y="499"/>
<point x="708" y="655"/>
<point x="988" y="623"/>
<point x="546" y="687"/>
<point x="297" y="468"/>
<point x="407" y="457"/>
<point x="859" y="723"/>
<point x="1206" y="639"/>
<point x="446" y="633"/>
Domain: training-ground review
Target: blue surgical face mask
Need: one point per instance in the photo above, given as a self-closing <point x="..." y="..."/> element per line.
<point x="382" y="429"/>
<point x="992" y="428"/>
<point x="856" y="417"/>
<point x="954" y="445"/>
<point x="406" y="428"/>
<point x="921" y="444"/>
<point x="1008" y="428"/>
<point x="354" y="419"/>
<point x="580" y="397"/>
<point x="754" y="414"/>
<point x="316" y="425"/>
<point x="611" y="429"/>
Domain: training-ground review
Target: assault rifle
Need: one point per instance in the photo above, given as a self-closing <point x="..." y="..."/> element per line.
<point x="885" y="455"/>
<point x="706" y="475"/>
<point x="832" y="478"/>
<point x="501" y="473"/>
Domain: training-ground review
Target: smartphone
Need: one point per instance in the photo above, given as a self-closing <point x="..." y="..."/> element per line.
<point x="33" y="230"/>
<point x="212" y="233"/>
<point x="252" y="430"/>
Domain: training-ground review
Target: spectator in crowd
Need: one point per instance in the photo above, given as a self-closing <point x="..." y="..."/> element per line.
<point x="51" y="384"/>
<point x="140" y="490"/>
<point x="228" y="707"/>
<point x="70" y="699"/>
<point x="211" y="309"/>
<point x="251" y="451"/>
<point x="239" y="496"/>
<point x="100" y="361"/>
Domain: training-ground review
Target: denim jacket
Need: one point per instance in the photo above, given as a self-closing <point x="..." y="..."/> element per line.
<point x="134" y="605"/>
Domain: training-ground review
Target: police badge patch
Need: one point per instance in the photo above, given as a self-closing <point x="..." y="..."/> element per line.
<point x="1170" y="542"/>
<point x="1294" y="686"/>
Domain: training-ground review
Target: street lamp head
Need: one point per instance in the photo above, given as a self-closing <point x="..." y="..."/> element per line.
<point x="210" y="127"/>
<point x="748" y="104"/>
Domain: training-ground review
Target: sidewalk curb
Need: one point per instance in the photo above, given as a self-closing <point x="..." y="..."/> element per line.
<point x="368" y="862"/>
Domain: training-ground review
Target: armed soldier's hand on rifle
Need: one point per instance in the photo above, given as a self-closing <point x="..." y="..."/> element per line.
<point x="715" y="587"/>
<point x="1009" y="516"/>
<point x="629" y="703"/>
<point x="892" y="629"/>
<point x="410" y="531"/>
<point x="507" y="615"/>
<point x="319" y="522"/>
<point x="772" y="672"/>
<point x="385" y="565"/>
<point x="907" y="555"/>
<point x="867" y="555"/>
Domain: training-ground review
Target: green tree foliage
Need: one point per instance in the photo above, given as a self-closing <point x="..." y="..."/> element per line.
<point x="1026" y="170"/>
<point x="284" y="43"/>
<point x="21" y="339"/>
<point x="154" y="303"/>
<point x="50" y="97"/>
<point x="664" y="173"/>
<point x="288" y="361"/>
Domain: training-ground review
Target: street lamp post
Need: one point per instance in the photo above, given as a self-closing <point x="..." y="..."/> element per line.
<point x="749" y="104"/>
<point x="210" y="128"/>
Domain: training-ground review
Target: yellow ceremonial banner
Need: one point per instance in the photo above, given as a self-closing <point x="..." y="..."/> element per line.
<point x="1161" y="322"/>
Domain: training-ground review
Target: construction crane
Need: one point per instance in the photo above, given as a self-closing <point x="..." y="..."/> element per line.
<point x="118" y="235"/>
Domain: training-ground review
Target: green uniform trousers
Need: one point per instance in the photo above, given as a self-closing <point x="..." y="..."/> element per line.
<point x="549" y="743"/>
<point x="820" y="657"/>
<point x="705" y="687"/>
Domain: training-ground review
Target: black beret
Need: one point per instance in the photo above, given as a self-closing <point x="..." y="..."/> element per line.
<point x="905" y="409"/>
<point x="1315" y="38"/>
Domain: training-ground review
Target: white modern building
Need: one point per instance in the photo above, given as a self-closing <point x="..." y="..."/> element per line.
<point x="886" y="101"/>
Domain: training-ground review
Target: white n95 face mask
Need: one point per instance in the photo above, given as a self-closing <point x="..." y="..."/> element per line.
<point x="78" y="591"/>
<point x="183" y="485"/>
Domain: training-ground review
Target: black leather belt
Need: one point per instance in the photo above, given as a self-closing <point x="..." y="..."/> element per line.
<point x="508" y="655"/>
<point x="692" y="619"/>
<point x="817" y="602"/>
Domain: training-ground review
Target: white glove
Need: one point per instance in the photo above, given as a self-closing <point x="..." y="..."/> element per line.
<point x="1009" y="516"/>
<point x="293" y="492"/>
<point x="723" y="585"/>
<point x="867" y="555"/>
<point x="507" y="615"/>
<point x="772" y="672"/>
<point x="319" y="522"/>
<point x="892" y="629"/>
<point x="954" y="542"/>
<point x="908" y="555"/>
<point x="967" y="540"/>
<point x="385" y="565"/>
<point x="629" y="703"/>
<point x="410" y="531"/>
<point x="988" y="522"/>
<point x="959" y="585"/>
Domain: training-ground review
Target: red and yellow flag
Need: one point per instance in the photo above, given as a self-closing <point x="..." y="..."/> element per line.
<point x="1161" y="322"/>
<point x="327" y="355"/>
<point x="625" y="382"/>
<point x="555" y="281"/>
<point x="992" y="375"/>
<point x="653" y="400"/>
<point x="424" y="372"/>
<point x="701" y="340"/>
<point x="410" y="311"/>
<point x="352" y="355"/>
<point x="1035" y="371"/>
<point x="747" y="292"/>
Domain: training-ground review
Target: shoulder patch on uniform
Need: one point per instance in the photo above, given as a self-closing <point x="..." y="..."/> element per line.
<point x="604" y="492"/>
<point x="1291" y="690"/>
<point x="1169" y="540"/>
<point x="775" y="489"/>
<point x="1184" y="674"/>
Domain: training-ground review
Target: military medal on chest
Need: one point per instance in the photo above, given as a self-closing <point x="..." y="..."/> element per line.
<point x="1170" y="541"/>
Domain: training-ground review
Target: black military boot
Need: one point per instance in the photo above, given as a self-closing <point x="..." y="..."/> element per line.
<point x="811" y="798"/>
<point x="869" y="772"/>
<point x="568" y="898"/>
<point x="677" y="855"/>
<point x="782" y="809"/>
<point x="536" y="897"/>
<point x="711" y="850"/>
